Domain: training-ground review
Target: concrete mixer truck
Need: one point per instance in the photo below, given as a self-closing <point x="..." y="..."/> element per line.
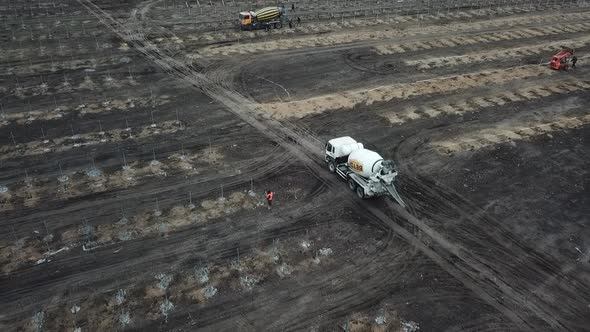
<point x="366" y="172"/>
<point x="265" y="18"/>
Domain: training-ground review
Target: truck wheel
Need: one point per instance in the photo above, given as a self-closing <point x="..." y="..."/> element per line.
<point x="331" y="166"/>
<point x="360" y="192"/>
<point x="278" y="25"/>
<point x="351" y="184"/>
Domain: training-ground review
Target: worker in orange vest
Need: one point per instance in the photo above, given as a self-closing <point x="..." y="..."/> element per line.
<point x="269" y="196"/>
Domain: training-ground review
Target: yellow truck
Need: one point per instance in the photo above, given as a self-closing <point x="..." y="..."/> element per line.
<point x="265" y="18"/>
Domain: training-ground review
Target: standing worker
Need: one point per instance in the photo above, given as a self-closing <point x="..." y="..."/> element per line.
<point x="298" y="20"/>
<point x="290" y="24"/>
<point x="574" y="60"/>
<point x="293" y="6"/>
<point x="269" y="196"/>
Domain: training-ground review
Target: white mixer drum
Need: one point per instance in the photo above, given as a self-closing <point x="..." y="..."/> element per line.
<point x="364" y="162"/>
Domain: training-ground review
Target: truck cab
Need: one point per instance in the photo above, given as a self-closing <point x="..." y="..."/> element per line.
<point x="338" y="149"/>
<point x="245" y="19"/>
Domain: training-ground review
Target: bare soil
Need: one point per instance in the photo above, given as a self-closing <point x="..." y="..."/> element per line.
<point x="137" y="140"/>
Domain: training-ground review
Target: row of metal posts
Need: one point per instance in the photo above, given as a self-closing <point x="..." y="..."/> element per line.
<point x="328" y="10"/>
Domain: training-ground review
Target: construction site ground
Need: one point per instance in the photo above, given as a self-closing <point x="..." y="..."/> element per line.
<point x="137" y="142"/>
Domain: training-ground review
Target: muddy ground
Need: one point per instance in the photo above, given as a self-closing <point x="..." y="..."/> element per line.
<point x="137" y="140"/>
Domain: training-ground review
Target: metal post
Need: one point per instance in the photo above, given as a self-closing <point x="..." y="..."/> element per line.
<point x="124" y="160"/>
<point x="46" y="229"/>
<point x="12" y="137"/>
<point x="14" y="234"/>
<point x="46" y="236"/>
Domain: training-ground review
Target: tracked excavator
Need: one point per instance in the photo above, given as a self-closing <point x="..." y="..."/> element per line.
<point x="365" y="171"/>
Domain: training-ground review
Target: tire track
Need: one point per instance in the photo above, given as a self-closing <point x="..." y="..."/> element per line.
<point x="85" y="271"/>
<point x="219" y="248"/>
<point x="44" y="192"/>
<point x="200" y="185"/>
<point x="499" y="294"/>
<point x="494" y="246"/>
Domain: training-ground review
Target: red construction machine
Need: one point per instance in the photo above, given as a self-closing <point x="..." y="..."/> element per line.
<point x="562" y="60"/>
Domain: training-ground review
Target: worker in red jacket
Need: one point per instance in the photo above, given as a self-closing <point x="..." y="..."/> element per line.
<point x="269" y="196"/>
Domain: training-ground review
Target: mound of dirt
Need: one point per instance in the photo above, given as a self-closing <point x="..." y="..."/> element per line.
<point x="385" y="321"/>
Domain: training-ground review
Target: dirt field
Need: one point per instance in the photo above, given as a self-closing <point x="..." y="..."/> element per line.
<point x="137" y="139"/>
